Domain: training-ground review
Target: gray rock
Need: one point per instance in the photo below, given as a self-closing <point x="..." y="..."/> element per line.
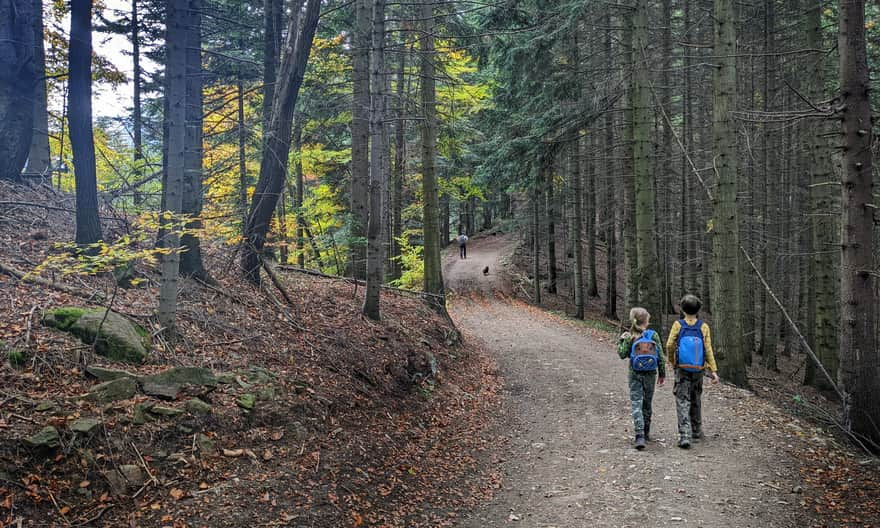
<point x="246" y="401"/>
<point x="161" y="390"/>
<point x="141" y="414"/>
<point x="84" y="425"/>
<point x="47" y="437"/>
<point x="46" y="405"/>
<point x="110" y="391"/>
<point x="169" y="412"/>
<point x="226" y="378"/>
<point x="197" y="406"/>
<point x="206" y="445"/>
<point x="126" y="477"/>
<point x="168" y="384"/>
<point x="107" y="374"/>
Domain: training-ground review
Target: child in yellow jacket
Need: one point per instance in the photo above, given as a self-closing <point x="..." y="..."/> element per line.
<point x="692" y="337"/>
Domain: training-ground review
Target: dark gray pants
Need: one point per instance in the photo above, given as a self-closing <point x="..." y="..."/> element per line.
<point x="641" y="394"/>
<point x="688" y="391"/>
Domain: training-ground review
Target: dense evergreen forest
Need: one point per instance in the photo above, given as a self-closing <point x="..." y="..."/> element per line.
<point x="637" y="151"/>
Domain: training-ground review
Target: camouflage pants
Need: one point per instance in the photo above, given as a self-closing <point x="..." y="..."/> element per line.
<point x="641" y="393"/>
<point x="688" y="391"/>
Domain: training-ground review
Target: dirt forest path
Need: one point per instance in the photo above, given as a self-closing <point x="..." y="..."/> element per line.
<point x="567" y="459"/>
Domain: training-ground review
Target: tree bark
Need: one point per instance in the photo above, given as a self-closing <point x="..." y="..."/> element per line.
<point x="430" y="189"/>
<point x="191" y="264"/>
<point x="378" y="177"/>
<point x="649" y="295"/>
<point x="176" y="96"/>
<point x="276" y="149"/>
<point x="88" y="226"/>
<point x="727" y="297"/>
<point x="547" y="168"/>
<point x="630" y="246"/>
<point x="859" y="370"/>
<point x="577" y="225"/>
<point x="360" y="139"/>
<point x="824" y="283"/>
<point x="38" y="157"/>
<point x="137" y="119"/>
<point x="399" y="171"/>
<point x="17" y="83"/>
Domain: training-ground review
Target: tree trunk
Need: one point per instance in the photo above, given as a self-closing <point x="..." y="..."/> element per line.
<point x="272" y="35"/>
<point x="88" y="226"/>
<point x="399" y="171"/>
<point x="137" y="119"/>
<point x="577" y="225"/>
<point x="38" y="157"/>
<point x="360" y="138"/>
<point x="649" y="295"/>
<point x="298" y="196"/>
<point x="537" y="183"/>
<point x="243" y="180"/>
<point x="430" y="188"/>
<point x="273" y="169"/>
<point x="17" y="82"/>
<point x="824" y="283"/>
<point x="858" y="354"/>
<point x="611" y="208"/>
<point x="176" y="42"/>
<point x="191" y="264"/>
<point x="547" y="167"/>
<point x="378" y="178"/>
<point x="727" y="297"/>
<point x="630" y="247"/>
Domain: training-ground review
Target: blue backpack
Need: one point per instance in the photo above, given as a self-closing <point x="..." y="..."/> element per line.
<point x="643" y="353"/>
<point x="691" y="351"/>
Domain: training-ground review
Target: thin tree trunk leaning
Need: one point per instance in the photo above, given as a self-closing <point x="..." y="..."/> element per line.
<point x="824" y="312"/>
<point x="176" y="97"/>
<point x="276" y="149"/>
<point x="360" y="139"/>
<point x="88" y="226"/>
<point x="859" y="370"/>
<point x="378" y="177"/>
<point x="17" y="78"/>
<point x="38" y="157"/>
<point x="648" y="269"/>
<point x="191" y="264"/>
<point x="272" y="21"/>
<point x="727" y="298"/>
<point x="430" y="190"/>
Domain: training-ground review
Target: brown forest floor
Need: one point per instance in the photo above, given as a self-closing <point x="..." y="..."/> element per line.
<point x="837" y="484"/>
<point x="343" y="438"/>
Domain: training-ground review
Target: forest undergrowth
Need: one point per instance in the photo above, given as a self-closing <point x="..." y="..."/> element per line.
<point x="317" y="416"/>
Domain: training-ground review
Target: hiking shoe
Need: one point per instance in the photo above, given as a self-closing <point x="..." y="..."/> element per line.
<point x="684" y="443"/>
<point x="697" y="435"/>
<point x="647" y="432"/>
<point x="640" y="441"/>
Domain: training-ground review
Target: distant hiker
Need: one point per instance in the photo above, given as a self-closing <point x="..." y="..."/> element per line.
<point x="646" y="362"/>
<point x="690" y="351"/>
<point x="462" y="246"/>
<point x="486" y="270"/>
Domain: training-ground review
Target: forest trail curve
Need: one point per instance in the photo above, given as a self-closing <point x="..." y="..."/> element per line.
<point x="567" y="458"/>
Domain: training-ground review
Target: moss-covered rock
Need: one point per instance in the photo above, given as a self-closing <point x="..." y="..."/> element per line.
<point x="198" y="406"/>
<point x="47" y="437"/>
<point x="120" y="339"/>
<point x="169" y="383"/>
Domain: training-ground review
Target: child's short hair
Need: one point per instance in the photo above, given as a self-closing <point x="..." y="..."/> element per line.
<point x="690" y="304"/>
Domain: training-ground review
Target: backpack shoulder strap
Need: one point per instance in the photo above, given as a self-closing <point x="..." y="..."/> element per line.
<point x="648" y="334"/>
